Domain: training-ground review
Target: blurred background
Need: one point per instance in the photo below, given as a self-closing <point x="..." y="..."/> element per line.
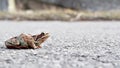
<point x="65" y="10"/>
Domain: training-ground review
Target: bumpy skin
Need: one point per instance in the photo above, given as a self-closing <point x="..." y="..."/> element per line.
<point x="25" y="41"/>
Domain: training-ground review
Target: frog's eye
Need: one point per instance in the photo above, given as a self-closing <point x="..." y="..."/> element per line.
<point x="42" y="34"/>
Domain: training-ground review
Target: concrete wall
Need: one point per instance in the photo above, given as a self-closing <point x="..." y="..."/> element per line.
<point x="101" y="4"/>
<point x="87" y="4"/>
<point x="75" y="4"/>
<point x="3" y="5"/>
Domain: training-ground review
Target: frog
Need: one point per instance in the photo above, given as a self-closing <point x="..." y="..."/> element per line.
<point x="27" y="41"/>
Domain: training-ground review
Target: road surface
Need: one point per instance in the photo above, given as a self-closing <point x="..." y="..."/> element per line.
<point x="71" y="45"/>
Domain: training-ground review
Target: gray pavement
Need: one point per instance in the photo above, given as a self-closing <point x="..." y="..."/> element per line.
<point x="71" y="45"/>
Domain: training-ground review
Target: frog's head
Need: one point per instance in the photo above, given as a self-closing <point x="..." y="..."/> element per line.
<point x="41" y="37"/>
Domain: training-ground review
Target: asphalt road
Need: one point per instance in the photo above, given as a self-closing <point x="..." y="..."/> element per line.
<point x="71" y="45"/>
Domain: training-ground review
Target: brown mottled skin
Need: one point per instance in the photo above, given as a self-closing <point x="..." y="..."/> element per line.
<point x="26" y="41"/>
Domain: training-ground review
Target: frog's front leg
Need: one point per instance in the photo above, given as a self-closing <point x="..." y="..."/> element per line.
<point x="31" y="44"/>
